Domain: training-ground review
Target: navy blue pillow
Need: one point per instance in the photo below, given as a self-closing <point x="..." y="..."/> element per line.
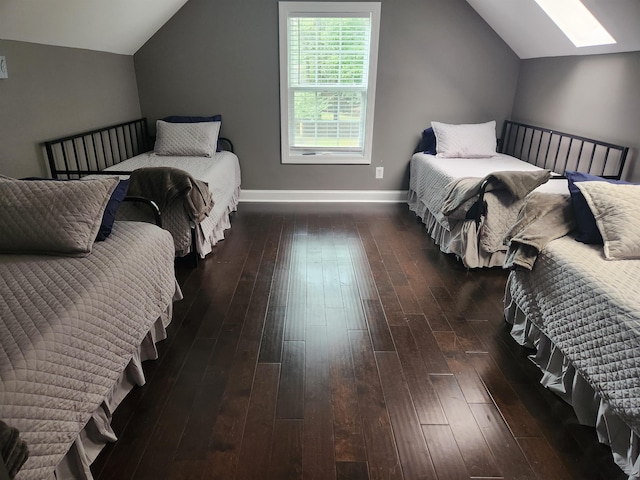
<point x="112" y="207"/>
<point x="427" y="143"/>
<point x="585" y="221"/>
<point x="190" y="119"/>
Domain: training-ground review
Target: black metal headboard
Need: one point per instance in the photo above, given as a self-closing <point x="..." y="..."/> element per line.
<point x="559" y="151"/>
<point x="89" y="153"/>
<point x="92" y="151"/>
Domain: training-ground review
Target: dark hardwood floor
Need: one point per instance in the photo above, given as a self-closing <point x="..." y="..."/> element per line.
<point x="335" y="341"/>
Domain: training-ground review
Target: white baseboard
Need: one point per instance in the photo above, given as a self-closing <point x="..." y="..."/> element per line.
<point x="379" y="196"/>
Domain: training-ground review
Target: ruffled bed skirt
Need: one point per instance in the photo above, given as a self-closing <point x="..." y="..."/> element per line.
<point x="98" y="432"/>
<point x="461" y="240"/>
<point x="561" y="377"/>
<point x="211" y="232"/>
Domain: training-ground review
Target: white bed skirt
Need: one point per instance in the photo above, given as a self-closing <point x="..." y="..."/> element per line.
<point x="98" y="432"/>
<point x="561" y="377"/>
<point x="461" y="240"/>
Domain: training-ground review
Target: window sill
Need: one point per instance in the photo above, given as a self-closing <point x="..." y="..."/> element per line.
<point x="324" y="159"/>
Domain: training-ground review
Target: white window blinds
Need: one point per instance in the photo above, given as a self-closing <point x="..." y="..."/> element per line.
<point x="327" y="87"/>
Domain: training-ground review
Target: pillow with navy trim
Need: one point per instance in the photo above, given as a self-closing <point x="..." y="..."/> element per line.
<point x="191" y="119"/>
<point x="587" y="229"/>
<point x="54" y="218"/>
<point x="427" y="142"/>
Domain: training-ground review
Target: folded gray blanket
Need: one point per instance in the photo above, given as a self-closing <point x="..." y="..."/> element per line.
<point x="14" y="451"/>
<point x="542" y="218"/>
<point x="518" y="183"/>
<point x="163" y="185"/>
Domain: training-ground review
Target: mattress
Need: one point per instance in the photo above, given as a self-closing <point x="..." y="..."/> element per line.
<point x="69" y="327"/>
<point x="476" y="245"/>
<point x="222" y="174"/>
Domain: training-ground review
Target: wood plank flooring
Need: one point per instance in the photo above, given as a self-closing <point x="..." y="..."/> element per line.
<point x="335" y="341"/>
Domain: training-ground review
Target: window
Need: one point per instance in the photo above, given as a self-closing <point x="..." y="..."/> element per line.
<point x="328" y="59"/>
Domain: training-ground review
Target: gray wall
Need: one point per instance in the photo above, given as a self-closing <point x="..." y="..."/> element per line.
<point x="438" y="60"/>
<point x="56" y="91"/>
<point x="596" y="96"/>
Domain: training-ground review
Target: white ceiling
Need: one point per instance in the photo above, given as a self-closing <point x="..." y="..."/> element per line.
<point x="524" y="26"/>
<point x="116" y="26"/>
<point x="123" y="26"/>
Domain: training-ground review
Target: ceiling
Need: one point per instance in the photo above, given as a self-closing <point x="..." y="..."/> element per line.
<point x="116" y="26"/>
<point x="531" y="34"/>
<point x="123" y="26"/>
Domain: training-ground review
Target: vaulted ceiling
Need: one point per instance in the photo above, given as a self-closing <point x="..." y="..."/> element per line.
<point x="123" y="26"/>
<point x="116" y="26"/>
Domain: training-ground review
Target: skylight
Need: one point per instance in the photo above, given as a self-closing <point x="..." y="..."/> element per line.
<point x="576" y="22"/>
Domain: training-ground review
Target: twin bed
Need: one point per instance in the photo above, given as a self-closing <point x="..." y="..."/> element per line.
<point x="182" y="143"/>
<point x="77" y="318"/>
<point x="577" y="305"/>
<point x="581" y="314"/>
<point x="465" y="155"/>
<point x="85" y="297"/>
<point x="572" y="245"/>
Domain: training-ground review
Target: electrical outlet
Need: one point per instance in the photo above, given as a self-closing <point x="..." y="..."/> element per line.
<point x="379" y="172"/>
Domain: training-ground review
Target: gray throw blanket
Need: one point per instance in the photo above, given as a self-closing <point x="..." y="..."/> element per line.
<point x="542" y="218"/>
<point x="14" y="451"/>
<point x="518" y="183"/>
<point x="163" y="185"/>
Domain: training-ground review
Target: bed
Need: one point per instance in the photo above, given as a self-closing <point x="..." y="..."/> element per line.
<point x="77" y="317"/>
<point x="578" y="308"/>
<point x="465" y="155"/>
<point x="123" y="148"/>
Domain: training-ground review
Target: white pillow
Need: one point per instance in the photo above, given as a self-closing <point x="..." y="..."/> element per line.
<point x="186" y="139"/>
<point x="617" y="213"/>
<point x="473" y="140"/>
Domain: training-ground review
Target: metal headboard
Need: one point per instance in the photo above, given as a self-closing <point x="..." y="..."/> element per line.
<point x="559" y="151"/>
<point x="90" y="152"/>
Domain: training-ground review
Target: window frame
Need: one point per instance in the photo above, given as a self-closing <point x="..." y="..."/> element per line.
<point x="330" y="155"/>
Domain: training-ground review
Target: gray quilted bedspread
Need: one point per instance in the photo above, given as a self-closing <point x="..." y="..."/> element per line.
<point x="222" y="174"/>
<point x="590" y="308"/>
<point x="69" y="327"/>
<point x="433" y="179"/>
